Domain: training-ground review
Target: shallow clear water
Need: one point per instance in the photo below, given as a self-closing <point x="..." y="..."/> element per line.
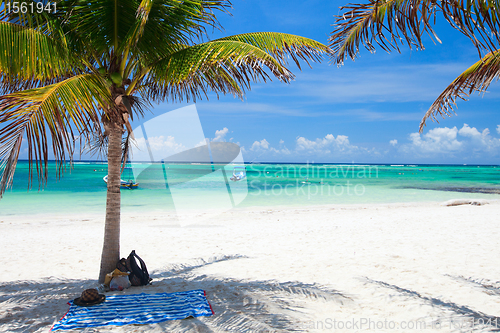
<point x="165" y="186"/>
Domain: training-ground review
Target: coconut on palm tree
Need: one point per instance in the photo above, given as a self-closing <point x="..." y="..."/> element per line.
<point x="88" y="68"/>
<point x="392" y="23"/>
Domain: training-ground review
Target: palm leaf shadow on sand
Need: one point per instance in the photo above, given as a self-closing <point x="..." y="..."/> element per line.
<point x="463" y="315"/>
<point x="245" y="305"/>
<point x="487" y="286"/>
<point x="239" y="305"/>
<point x="30" y="306"/>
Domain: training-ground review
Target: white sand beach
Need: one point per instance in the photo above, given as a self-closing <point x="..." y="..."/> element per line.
<point x="384" y="268"/>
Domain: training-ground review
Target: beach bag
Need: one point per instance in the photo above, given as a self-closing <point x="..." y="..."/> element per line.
<point x="138" y="276"/>
<point x="119" y="282"/>
<point x="116" y="273"/>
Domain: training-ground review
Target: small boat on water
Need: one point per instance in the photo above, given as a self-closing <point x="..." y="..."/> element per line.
<point x="239" y="173"/>
<point x="126" y="184"/>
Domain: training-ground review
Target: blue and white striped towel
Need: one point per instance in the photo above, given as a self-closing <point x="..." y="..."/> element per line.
<point x="136" y="309"/>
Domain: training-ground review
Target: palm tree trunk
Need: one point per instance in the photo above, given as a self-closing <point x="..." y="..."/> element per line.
<point x="111" y="248"/>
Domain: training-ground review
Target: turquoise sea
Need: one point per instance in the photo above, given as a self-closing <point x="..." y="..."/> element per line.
<point x="163" y="186"/>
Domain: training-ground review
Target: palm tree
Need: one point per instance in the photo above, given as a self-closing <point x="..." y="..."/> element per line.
<point x="391" y="23"/>
<point x="86" y="69"/>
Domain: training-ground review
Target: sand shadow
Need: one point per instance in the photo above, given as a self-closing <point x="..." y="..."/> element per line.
<point x="488" y="287"/>
<point x="465" y="317"/>
<point x="186" y="268"/>
<point x="239" y="305"/>
<point x="244" y="305"/>
<point x="30" y="306"/>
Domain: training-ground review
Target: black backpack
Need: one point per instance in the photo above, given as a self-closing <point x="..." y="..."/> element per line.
<point x="138" y="276"/>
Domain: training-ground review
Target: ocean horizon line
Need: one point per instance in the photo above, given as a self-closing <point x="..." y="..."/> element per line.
<point x="396" y="164"/>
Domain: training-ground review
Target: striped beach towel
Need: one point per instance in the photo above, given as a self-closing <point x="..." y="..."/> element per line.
<point x="136" y="309"/>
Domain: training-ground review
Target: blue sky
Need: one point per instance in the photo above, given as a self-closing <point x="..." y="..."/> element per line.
<point x="365" y="111"/>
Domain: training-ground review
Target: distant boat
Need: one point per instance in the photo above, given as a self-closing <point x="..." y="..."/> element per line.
<point x="239" y="173"/>
<point x="126" y="184"/>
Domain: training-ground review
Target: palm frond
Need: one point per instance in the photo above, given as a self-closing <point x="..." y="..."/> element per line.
<point x="228" y="65"/>
<point x="97" y="145"/>
<point x="476" y="78"/>
<point x="177" y="22"/>
<point x="281" y="45"/>
<point x="220" y="66"/>
<point x="136" y="31"/>
<point x="30" y="57"/>
<point x="52" y="112"/>
<point x="390" y="23"/>
<point x="150" y="26"/>
<point x="100" y="24"/>
<point x="478" y="20"/>
<point x="162" y="24"/>
<point x="387" y="23"/>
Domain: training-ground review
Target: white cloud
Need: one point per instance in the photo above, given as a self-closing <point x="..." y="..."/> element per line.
<point x="220" y="134"/>
<point x="160" y="146"/>
<point x="260" y="145"/>
<point x="437" y="140"/>
<point x="448" y="142"/>
<point x="480" y="141"/>
<point x="201" y="143"/>
<point x="438" y="145"/>
<point x="282" y="151"/>
<point x="498" y="129"/>
<point x="472" y="132"/>
<point x="325" y="145"/>
<point x="264" y="146"/>
<point x="329" y="146"/>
